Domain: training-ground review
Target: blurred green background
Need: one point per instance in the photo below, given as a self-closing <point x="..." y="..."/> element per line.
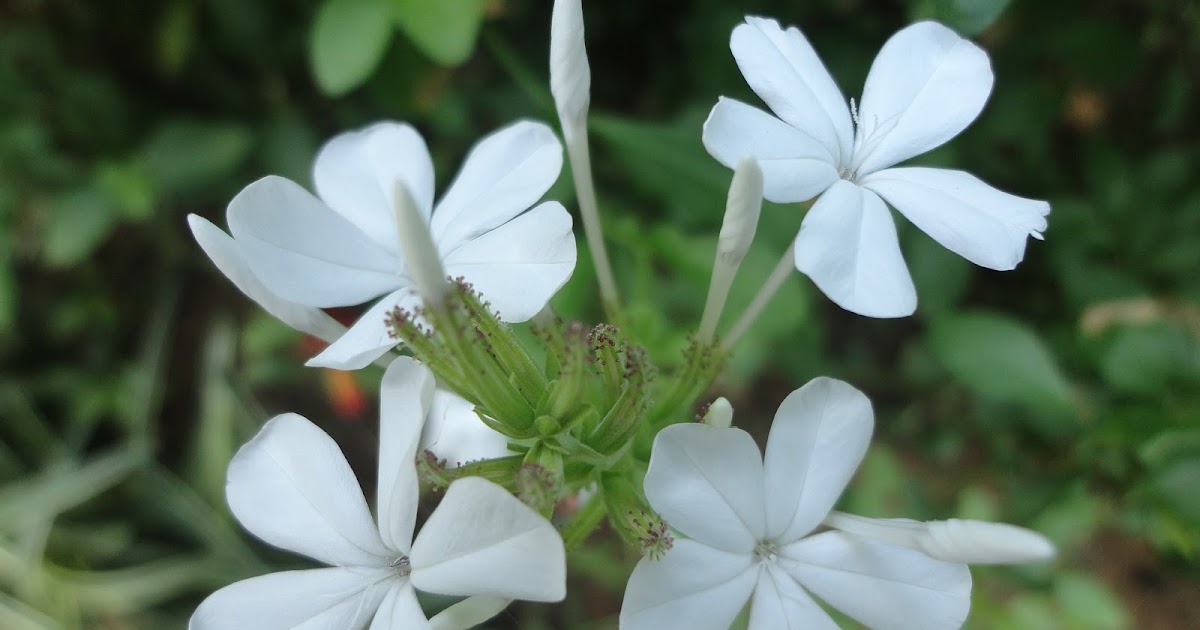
<point x="1064" y="396"/>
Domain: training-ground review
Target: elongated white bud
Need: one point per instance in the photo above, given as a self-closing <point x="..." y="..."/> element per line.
<point x="719" y="414"/>
<point x="570" y="76"/>
<point x="981" y="542"/>
<point x="416" y="246"/>
<point x="953" y="540"/>
<point x="742" y="208"/>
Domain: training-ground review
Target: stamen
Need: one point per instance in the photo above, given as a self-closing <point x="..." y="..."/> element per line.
<point x="853" y="111"/>
<point x="766" y="550"/>
<point x="402" y="566"/>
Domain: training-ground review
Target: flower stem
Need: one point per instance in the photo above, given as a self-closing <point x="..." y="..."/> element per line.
<point x="584" y="521"/>
<point x="783" y="269"/>
<point x="581" y="169"/>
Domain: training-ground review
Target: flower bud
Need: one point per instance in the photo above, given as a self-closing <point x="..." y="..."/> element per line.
<point x="719" y="414"/>
<point x="953" y="540"/>
<point x="570" y="76"/>
<point x="737" y="233"/>
<point x="981" y="542"/>
<point x="421" y="259"/>
<point x="742" y="208"/>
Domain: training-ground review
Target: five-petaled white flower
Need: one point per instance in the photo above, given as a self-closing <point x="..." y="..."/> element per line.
<point x="750" y="526"/>
<point x="291" y="487"/>
<point x="925" y="86"/>
<point x="344" y="248"/>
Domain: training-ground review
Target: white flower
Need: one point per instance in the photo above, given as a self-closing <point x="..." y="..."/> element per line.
<point x="291" y="487"/>
<point x="452" y="431"/>
<point x="926" y="85"/>
<point x="343" y="249"/>
<point x="750" y="524"/>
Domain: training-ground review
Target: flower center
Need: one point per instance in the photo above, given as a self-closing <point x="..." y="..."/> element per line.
<point x="766" y="551"/>
<point x="402" y="566"/>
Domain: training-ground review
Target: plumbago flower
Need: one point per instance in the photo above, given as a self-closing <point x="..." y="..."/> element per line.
<point x="453" y="431"/>
<point x="344" y="248"/>
<point x="925" y="86"/>
<point x="291" y="487"/>
<point x="751" y="528"/>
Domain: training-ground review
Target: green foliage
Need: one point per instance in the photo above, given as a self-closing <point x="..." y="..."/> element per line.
<point x="1062" y="395"/>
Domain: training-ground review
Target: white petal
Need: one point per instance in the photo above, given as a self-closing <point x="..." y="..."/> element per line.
<point x="693" y="586"/>
<point x="226" y="254"/>
<point x="503" y="175"/>
<point x="882" y="586"/>
<point x="520" y="265"/>
<point x="291" y="487"/>
<point x="794" y="166"/>
<point x="925" y="86"/>
<point x="405" y="394"/>
<point x="469" y="612"/>
<point x="784" y="70"/>
<point x="305" y="252"/>
<point x="986" y="226"/>
<point x="482" y="541"/>
<point x="780" y="603"/>
<point x="316" y="599"/>
<point x="817" y="440"/>
<point x="708" y="484"/>
<point x="848" y="246"/>
<point x="400" y="610"/>
<point x="369" y="338"/>
<point x="356" y="174"/>
<point x="454" y="432"/>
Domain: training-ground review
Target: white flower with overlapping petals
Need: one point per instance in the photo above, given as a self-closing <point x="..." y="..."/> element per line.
<point x="344" y="248"/>
<point x="925" y="86"/>
<point x="751" y="526"/>
<point x="291" y="487"/>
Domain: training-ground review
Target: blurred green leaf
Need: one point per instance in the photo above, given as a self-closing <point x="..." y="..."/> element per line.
<point x="9" y="294"/>
<point x="1177" y="483"/>
<point x="348" y="40"/>
<point x="215" y="438"/>
<point x="185" y="157"/>
<point x="1001" y="358"/>
<point x="1169" y="446"/>
<point x="1148" y="359"/>
<point x="444" y="30"/>
<point x="175" y="36"/>
<point x="1087" y="604"/>
<point x="128" y="188"/>
<point x="16" y="615"/>
<point x="968" y="17"/>
<point x="79" y="222"/>
<point x="669" y="162"/>
<point x="940" y="275"/>
<point x="42" y="498"/>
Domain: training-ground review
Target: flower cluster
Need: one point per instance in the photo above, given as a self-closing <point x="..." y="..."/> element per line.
<point x="574" y="422"/>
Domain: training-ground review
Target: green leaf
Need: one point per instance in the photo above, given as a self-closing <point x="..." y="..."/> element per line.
<point x="444" y="30"/>
<point x="1002" y="359"/>
<point x="182" y="158"/>
<point x="79" y="223"/>
<point x="1087" y="603"/>
<point x="348" y="40"/>
<point x="968" y="17"/>
<point x="1147" y="359"/>
<point x="1176" y="484"/>
<point x="669" y="162"/>
<point x="940" y="275"/>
